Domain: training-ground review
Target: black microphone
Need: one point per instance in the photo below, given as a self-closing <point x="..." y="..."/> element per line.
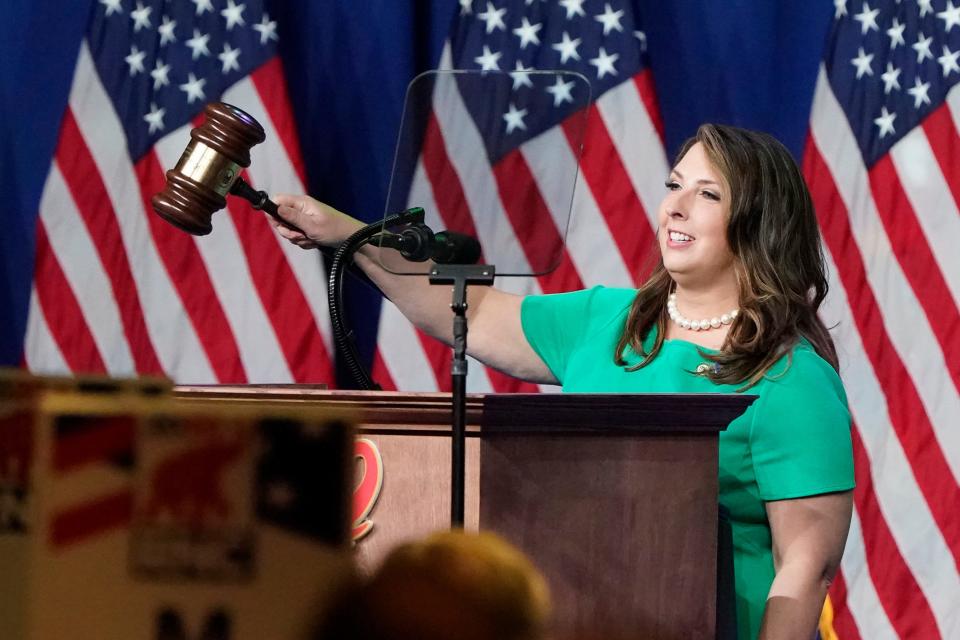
<point x="418" y="243"/>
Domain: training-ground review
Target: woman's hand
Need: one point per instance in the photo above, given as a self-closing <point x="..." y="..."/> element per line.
<point x="322" y="225"/>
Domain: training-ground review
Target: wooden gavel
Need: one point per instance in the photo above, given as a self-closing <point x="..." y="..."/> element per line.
<point x="210" y="168"/>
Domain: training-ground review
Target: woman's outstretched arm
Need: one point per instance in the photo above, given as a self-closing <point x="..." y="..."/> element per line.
<point x="495" y="334"/>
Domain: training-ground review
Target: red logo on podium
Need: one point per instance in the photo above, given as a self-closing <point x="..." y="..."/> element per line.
<point x="367" y="491"/>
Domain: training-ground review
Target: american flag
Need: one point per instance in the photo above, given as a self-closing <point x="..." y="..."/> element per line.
<point x="461" y="174"/>
<point x="881" y="161"/>
<point x="118" y="290"/>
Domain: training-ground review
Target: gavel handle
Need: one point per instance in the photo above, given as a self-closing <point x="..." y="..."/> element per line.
<point x="260" y="200"/>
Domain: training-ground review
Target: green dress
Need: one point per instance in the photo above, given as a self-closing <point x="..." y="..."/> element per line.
<point x="793" y="441"/>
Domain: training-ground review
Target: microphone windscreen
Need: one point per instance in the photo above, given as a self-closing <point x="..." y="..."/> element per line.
<point x="455" y="248"/>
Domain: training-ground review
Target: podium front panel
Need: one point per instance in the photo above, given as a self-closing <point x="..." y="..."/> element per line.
<point x="625" y="529"/>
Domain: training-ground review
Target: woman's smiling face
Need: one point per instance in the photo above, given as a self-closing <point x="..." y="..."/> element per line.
<point x="693" y="222"/>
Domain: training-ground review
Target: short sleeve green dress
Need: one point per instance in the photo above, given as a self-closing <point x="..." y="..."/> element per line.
<point x="794" y="441"/>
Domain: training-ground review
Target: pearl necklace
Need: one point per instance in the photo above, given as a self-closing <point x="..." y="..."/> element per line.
<point x="697" y="325"/>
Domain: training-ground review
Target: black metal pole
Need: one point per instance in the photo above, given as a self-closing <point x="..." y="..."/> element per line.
<point x="459" y="275"/>
<point x="459" y="436"/>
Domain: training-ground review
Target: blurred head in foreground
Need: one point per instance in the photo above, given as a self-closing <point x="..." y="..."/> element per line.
<point x="453" y="584"/>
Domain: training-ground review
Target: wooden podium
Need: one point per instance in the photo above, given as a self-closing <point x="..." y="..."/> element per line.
<point x="614" y="497"/>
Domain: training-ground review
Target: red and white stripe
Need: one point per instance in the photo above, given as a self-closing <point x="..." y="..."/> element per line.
<point x="42" y="350"/>
<point x="889" y="275"/>
<point x="618" y="188"/>
<point x="861" y="599"/>
<point x="119" y="290"/>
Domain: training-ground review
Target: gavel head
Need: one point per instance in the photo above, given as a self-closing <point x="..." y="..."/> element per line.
<point x="219" y="149"/>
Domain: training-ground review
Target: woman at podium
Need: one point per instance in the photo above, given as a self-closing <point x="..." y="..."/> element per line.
<point x="730" y="307"/>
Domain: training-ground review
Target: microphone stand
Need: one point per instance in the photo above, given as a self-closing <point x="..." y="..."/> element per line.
<point x="459" y="275"/>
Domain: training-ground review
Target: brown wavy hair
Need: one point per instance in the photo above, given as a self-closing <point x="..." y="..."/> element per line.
<point x="772" y="230"/>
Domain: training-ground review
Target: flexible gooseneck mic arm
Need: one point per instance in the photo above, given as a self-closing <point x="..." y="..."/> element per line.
<point x="342" y="258"/>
